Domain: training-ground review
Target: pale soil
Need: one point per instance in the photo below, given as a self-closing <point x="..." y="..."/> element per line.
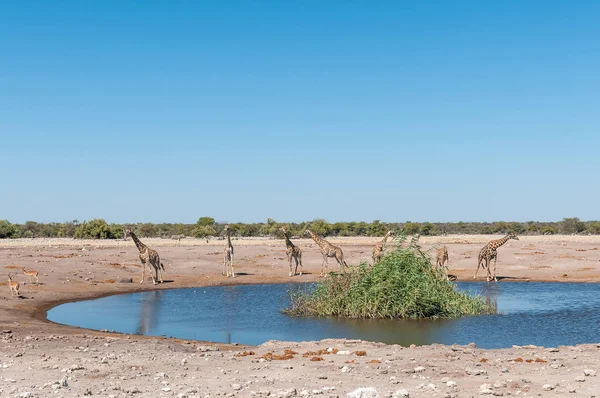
<point x="35" y="352"/>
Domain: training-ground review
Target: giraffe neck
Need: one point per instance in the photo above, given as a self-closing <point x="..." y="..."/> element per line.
<point x="497" y="243"/>
<point x="288" y="242"/>
<point x="318" y="240"/>
<point x="138" y="242"/>
<point x="229" y="238"/>
<point x="384" y="241"/>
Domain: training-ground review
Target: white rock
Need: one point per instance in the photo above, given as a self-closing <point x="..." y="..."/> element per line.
<point x="290" y="392"/>
<point x="589" y="372"/>
<point x="343" y="353"/>
<point x="580" y="379"/>
<point x="236" y="387"/>
<point x="451" y="383"/>
<point x="26" y="394"/>
<point x="166" y="389"/>
<point x="419" y="369"/>
<point x="402" y="393"/>
<point x="548" y="387"/>
<point x="345" y="369"/>
<point x="365" y="392"/>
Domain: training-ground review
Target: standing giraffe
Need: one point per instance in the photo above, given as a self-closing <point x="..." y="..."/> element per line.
<point x="380" y="247"/>
<point x="148" y="257"/>
<point x="441" y="259"/>
<point x="228" y="260"/>
<point x="293" y="252"/>
<point x="328" y="250"/>
<point x="488" y="252"/>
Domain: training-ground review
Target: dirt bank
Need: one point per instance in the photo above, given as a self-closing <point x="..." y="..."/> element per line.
<point x="35" y="352"/>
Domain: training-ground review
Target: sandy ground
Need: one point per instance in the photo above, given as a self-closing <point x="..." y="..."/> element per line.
<point x="40" y="359"/>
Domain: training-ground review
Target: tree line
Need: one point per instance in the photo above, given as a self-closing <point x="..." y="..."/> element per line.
<point x="207" y="227"/>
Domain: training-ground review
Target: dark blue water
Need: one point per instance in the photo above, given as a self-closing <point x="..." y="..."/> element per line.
<point x="546" y="314"/>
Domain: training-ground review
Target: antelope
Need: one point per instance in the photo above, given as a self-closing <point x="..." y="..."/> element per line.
<point x="31" y="274"/>
<point x="14" y="286"/>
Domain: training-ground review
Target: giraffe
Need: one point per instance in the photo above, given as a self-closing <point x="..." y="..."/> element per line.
<point x="441" y="259"/>
<point x="380" y="247"/>
<point x="148" y="257"/>
<point x="328" y="250"/>
<point x="13" y="286"/>
<point x="488" y="252"/>
<point x="31" y="274"/>
<point x="293" y="252"/>
<point x="228" y="260"/>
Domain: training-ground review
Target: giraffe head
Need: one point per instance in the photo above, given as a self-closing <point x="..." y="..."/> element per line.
<point x="128" y="232"/>
<point x="283" y="229"/>
<point x="308" y="233"/>
<point x="512" y="235"/>
<point x="226" y="228"/>
<point x="10" y="277"/>
<point x="389" y="233"/>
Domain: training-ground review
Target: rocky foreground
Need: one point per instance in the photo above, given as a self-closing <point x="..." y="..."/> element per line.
<point x="76" y="365"/>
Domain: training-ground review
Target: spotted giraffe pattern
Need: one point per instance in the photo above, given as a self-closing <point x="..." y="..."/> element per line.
<point x="148" y="257"/>
<point x="328" y="250"/>
<point x="488" y="252"/>
<point x="441" y="259"/>
<point x="379" y="248"/>
<point x="228" y="254"/>
<point x="293" y="252"/>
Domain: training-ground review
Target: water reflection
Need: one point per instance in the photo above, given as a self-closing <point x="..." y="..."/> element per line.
<point x="149" y="311"/>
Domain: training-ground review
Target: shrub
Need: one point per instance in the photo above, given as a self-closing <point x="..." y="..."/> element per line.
<point x="8" y="230"/>
<point x="402" y="285"/>
<point x="95" y="229"/>
<point x="203" y="231"/>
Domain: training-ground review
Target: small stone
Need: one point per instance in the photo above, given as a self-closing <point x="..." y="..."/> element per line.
<point x="526" y="381"/>
<point x="475" y="372"/>
<point x="548" y="387"/>
<point x="236" y="387"/>
<point x="500" y="384"/>
<point x="166" y="389"/>
<point x="451" y="383"/>
<point x="419" y="369"/>
<point x="504" y="370"/>
<point x="580" y="379"/>
<point x="126" y="280"/>
<point x="343" y="353"/>
<point x="589" y="372"/>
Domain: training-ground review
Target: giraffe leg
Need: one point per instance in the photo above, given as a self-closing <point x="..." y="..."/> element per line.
<point x="155" y="276"/>
<point x="143" y="271"/>
<point x="299" y="257"/>
<point x="487" y="266"/>
<point x="231" y="264"/>
<point x="477" y="270"/>
<point x="323" y="264"/>
<point x="290" y="258"/>
<point x="225" y="270"/>
<point x="296" y="269"/>
<point x="495" y="259"/>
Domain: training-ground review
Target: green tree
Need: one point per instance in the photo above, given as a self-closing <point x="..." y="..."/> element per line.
<point x="571" y="225"/>
<point x="7" y="230"/>
<point x="411" y="228"/>
<point x="320" y="227"/>
<point x="207" y="221"/>
<point x="376" y="228"/>
<point x="94" y="229"/>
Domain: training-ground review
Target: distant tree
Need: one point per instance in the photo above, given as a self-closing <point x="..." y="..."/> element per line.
<point x="411" y="228"/>
<point x="428" y="229"/>
<point x="594" y="227"/>
<point x="94" y="229"/>
<point x="8" y="230"/>
<point x="571" y="225"/>
<point x="207" y="221"/>
<point x="320" y="227"/>
<point x="376" y="228"/>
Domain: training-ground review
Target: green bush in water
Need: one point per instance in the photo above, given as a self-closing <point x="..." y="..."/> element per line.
<point x="404" y="284"/>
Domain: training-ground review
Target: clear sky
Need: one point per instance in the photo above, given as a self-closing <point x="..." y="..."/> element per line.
<point x="165" y="111"/>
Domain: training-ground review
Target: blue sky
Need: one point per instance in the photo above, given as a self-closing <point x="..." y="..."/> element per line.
<point x="343" y="110"/>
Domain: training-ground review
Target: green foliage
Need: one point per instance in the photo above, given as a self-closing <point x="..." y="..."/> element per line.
<point x="320" y="227"/>
<point x="571" y="226"/>
<point x="402" y="285"/>
<point x="32" y="229"/>
<point x="411" y="228"/>
<point x="8" y="230"/>
<point x="206" y="221"/>
<point x="95" y="229"/>
<point x="203" y="231"/>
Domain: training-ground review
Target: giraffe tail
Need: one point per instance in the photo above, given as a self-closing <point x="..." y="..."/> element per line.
<point x="162" y="266"/>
